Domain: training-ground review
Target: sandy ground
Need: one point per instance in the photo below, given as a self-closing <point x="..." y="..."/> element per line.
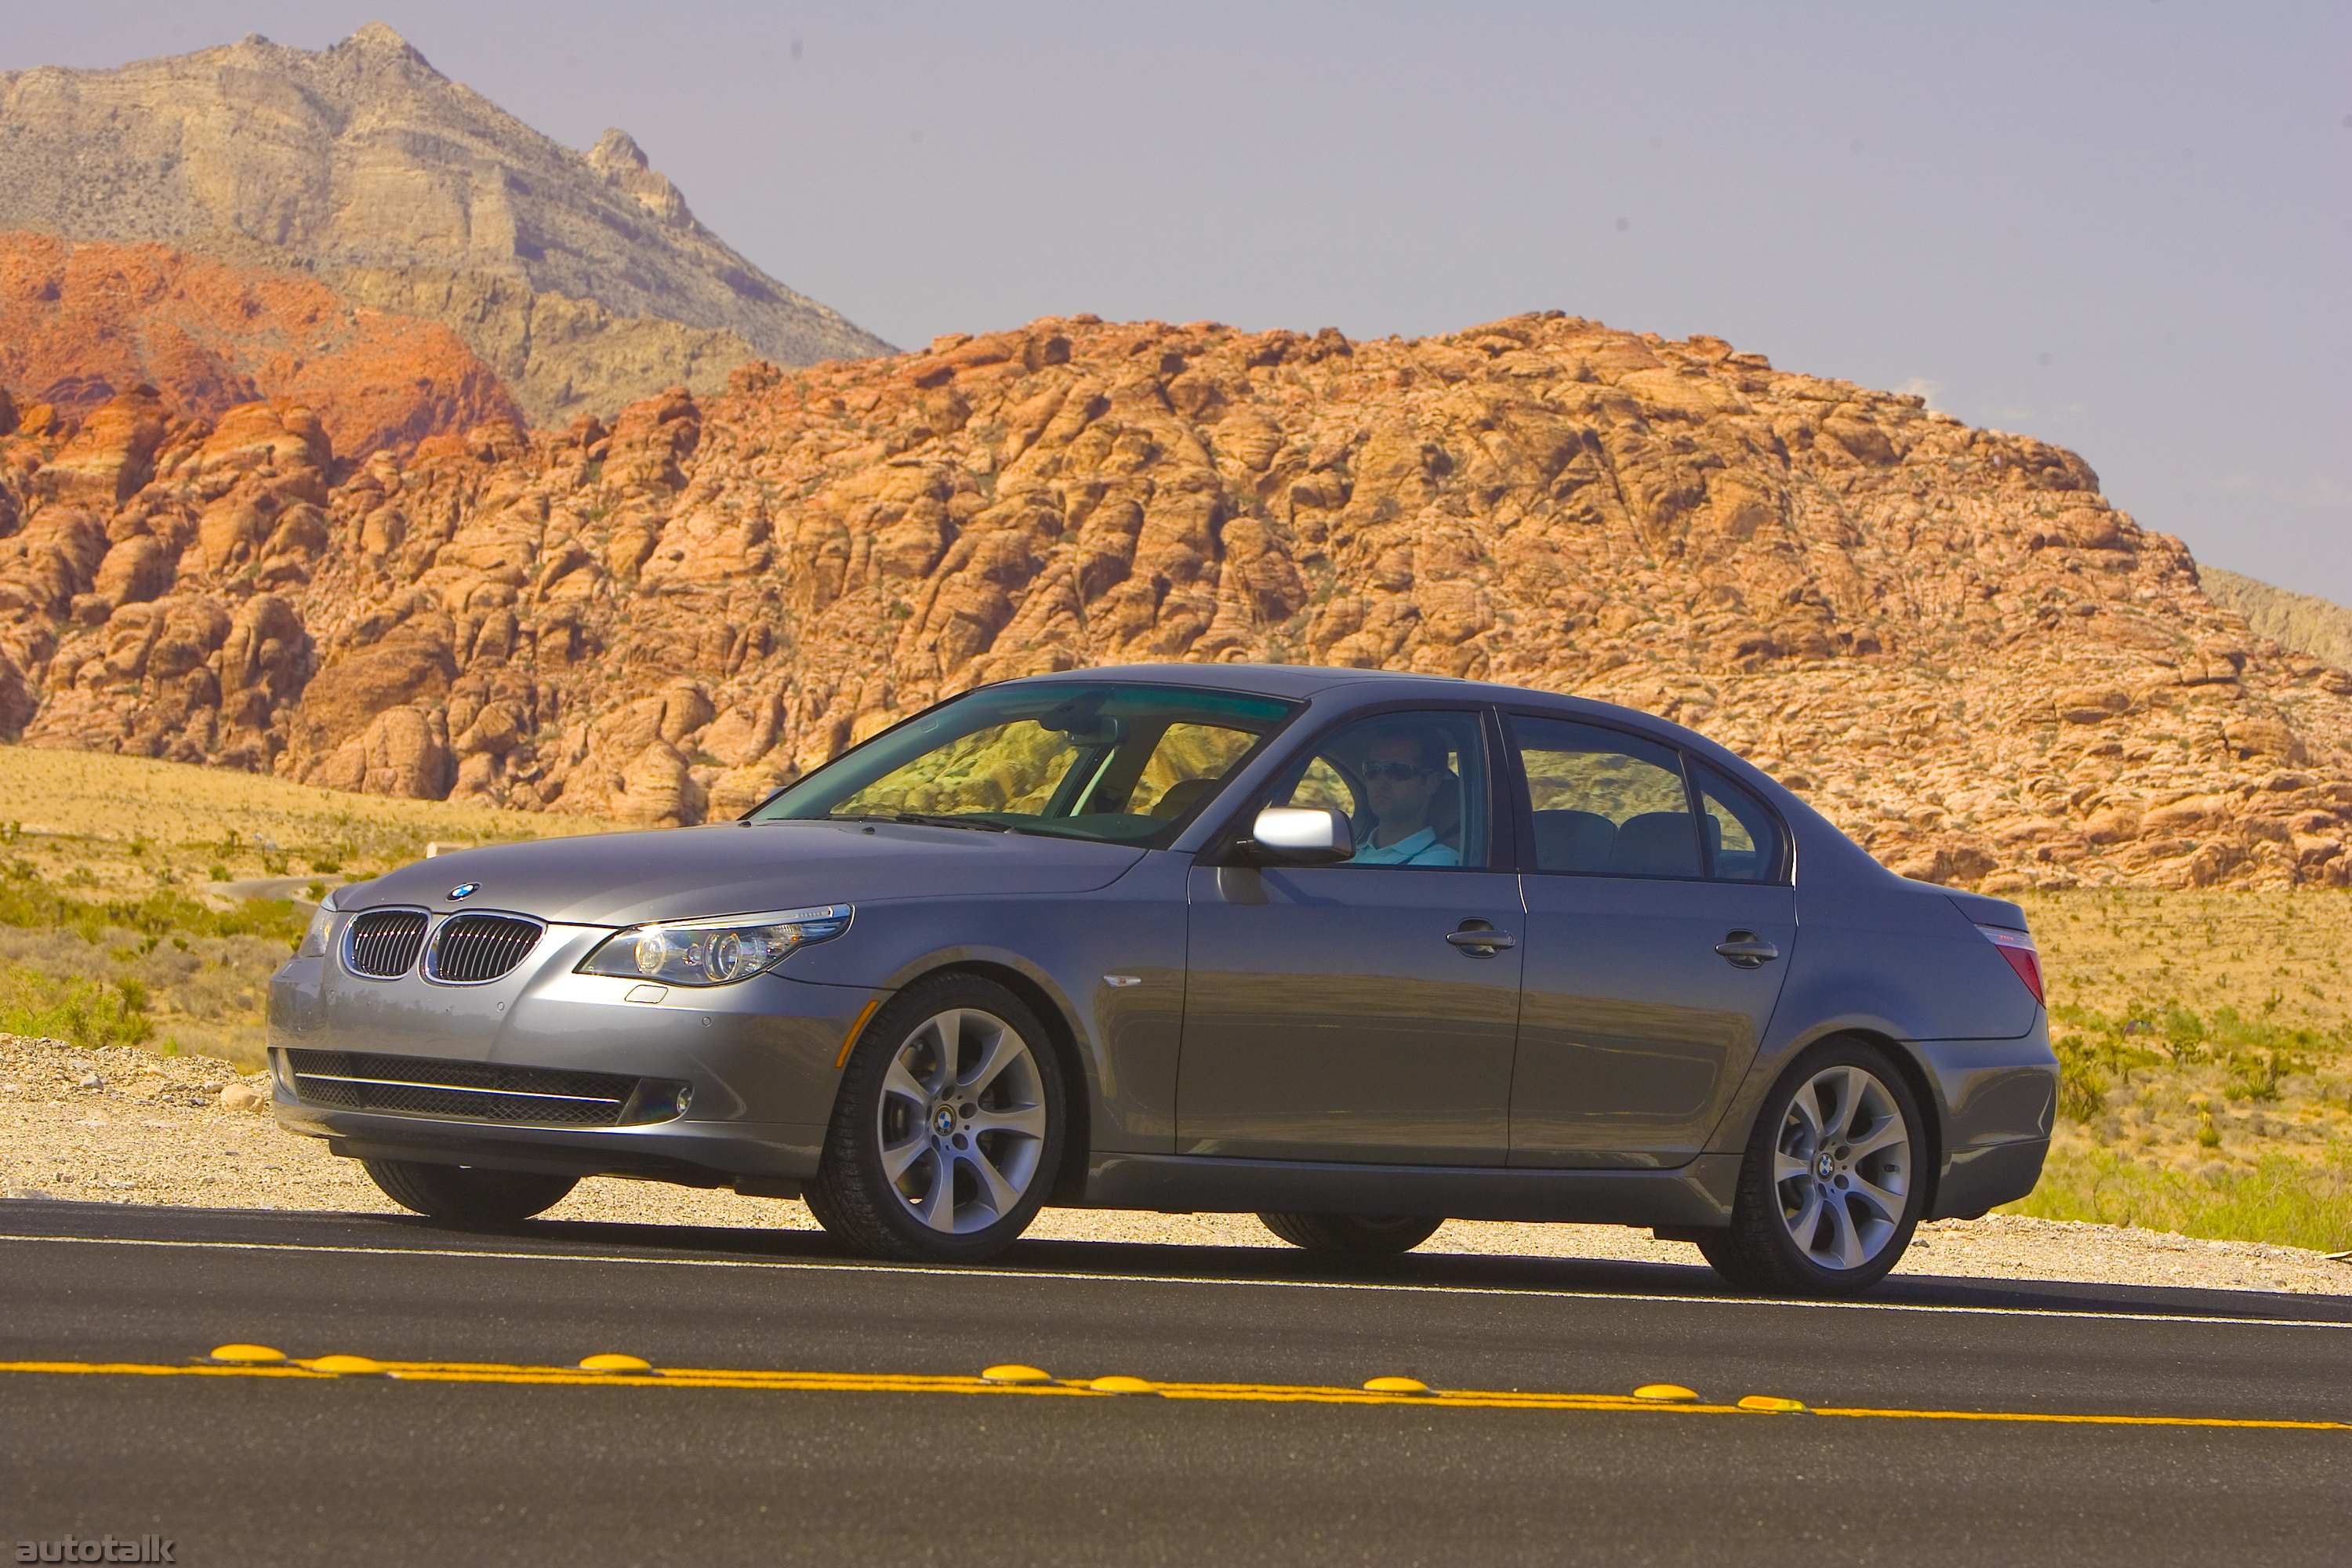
<point x="128" y="1126"/>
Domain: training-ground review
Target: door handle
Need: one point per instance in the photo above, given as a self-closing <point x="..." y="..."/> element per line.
<point x="1480" y="939"/>
<point x="1746" y="949"/>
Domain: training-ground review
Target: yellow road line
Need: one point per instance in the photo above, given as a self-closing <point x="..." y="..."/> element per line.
<point x="1253" y="1392"/>
<point x="2087" y="1420"/>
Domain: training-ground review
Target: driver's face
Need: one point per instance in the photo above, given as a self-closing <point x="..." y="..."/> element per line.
<point x="1399" y="804"/>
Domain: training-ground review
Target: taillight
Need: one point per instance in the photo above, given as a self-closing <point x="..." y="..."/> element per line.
<point x="2023" y="956"/>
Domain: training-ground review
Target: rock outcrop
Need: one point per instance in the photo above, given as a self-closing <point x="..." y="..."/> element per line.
<point x="2314" y="626"/>
<point x="582" y="279"/>
<point x="79" y="323"/>
<point x="1944" y="636"/>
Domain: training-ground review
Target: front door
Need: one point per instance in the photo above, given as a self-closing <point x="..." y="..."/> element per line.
<point x="1357" y="1012"/>
<point x="1658" y="938"/>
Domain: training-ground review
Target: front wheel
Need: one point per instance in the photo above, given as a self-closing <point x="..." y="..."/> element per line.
<point x="1354" y="1234"/>
<point x="465" y="1193"/>
<point x="1831" y="1187"/>
<point x="948" y="1130"/>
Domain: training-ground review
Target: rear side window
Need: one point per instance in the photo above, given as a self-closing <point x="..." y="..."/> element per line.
<point x="1745" y="841"/>
<point x="1605" y="803"/>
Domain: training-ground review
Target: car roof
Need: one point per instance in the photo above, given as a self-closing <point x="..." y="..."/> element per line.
<point x="1308" y="680"/>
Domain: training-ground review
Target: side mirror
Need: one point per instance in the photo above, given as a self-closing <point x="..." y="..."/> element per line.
<point x="1300" y="835"/>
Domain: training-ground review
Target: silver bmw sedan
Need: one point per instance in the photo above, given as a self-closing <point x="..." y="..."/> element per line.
<point x="1354" y="951"/>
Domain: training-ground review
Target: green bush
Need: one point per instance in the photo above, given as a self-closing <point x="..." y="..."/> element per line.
<point x="2283" y="1200"/>
<point x="85" y="1012"/>
<point x="26" y="901"/>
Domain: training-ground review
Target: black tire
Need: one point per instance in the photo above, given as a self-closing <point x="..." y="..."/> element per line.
<point x="1839" y="1205"/>
<point x="466" y="1194"/>
<point x="1005" y="1114"/>
<point x="1353" y="1234"/>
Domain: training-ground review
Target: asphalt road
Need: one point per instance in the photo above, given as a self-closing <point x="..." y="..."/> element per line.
<point x="293" y="1468"/>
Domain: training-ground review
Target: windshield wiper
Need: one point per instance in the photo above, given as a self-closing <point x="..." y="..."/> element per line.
<point x="976" y="824"/>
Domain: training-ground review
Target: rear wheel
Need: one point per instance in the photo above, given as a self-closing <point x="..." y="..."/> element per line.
<point x="1356" y="1234"/>
<point x="949" y="1128"/>
<point x="467" y="1194"/>
<point x="1831" y="1187"/>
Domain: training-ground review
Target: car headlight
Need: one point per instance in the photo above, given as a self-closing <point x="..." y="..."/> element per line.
<point x="319" y="937"/>
<point x="714" y="952"/>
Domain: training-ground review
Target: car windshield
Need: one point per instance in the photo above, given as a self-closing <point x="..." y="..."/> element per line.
<point x="1125" y="764"/>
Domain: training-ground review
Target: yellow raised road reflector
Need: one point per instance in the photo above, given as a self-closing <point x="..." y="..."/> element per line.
<point x="1663" y="1390"/>
<point x="246" y="1355"/>
<point x="1121" y="1384"/>
<point x="1014" y="1371"/>
<point x="1396" y="1385"/>
<point x="1766" y="1402"/>
<point x="780" y="1380"/>
<point x="612" y="1362"/>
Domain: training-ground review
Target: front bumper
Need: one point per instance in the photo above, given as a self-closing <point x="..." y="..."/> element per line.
<point x="759" y="1057"/>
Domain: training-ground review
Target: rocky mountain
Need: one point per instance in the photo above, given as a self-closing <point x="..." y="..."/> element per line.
<point x="1944" y="635"/>
<point x="2317" y="626"/>
<point x="80" y="322"/>
<point x="582" y="279"/>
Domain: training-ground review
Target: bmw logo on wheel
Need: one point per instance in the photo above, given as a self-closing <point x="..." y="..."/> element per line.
<point x="465" y="890"/>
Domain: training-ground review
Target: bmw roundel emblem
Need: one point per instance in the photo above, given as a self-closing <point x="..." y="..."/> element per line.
<point x="465" y="890"/>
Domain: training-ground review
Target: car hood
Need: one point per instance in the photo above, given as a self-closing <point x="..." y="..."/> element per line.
<point x="734" y="867"/>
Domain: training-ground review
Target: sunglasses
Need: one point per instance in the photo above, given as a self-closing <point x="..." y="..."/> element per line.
<point x="1398" y="771"/>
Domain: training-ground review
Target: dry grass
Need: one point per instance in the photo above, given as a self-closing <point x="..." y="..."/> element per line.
<point x="2205" y="1041"/>
<point x="118" y="827"/>
<point x="115" y="928"/>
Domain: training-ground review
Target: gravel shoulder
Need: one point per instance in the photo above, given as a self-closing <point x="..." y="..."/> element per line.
<point x="126" y="1125"/>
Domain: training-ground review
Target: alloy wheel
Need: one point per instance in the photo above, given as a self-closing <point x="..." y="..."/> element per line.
<point x="961" y="1123"/>
<point x="1842" y="1168"/>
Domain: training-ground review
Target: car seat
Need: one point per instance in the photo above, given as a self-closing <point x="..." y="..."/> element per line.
<point x="1656" y="844"/>
<point x="1180" y="797"/>
<point x="1574" y="841"/>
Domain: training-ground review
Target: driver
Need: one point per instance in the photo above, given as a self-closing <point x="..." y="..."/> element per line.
<point x="1402" y="772"/>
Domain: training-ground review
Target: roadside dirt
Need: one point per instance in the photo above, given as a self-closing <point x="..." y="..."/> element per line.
<point x="126" y="1125"/>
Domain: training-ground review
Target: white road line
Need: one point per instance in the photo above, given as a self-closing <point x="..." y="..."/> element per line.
<point x="1042" y="1274"/>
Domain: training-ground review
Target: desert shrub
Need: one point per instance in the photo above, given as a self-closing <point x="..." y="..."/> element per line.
<point x="2081" y="1086"/>
<point x="2281" y="1200"/>
<point x="88" y="1013"/>
<point x="26" y="901"/>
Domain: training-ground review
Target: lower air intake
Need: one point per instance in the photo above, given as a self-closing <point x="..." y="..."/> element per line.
<point x="480" y="1091"/>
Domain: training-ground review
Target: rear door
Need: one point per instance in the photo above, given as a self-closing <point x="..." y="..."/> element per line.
<point x="1657" y="937"/>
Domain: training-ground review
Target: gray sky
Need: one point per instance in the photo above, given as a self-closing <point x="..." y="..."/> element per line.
<point x="2125" y="228"/>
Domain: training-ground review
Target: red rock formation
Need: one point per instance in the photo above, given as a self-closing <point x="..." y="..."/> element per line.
<point x="1944" y="636"/>
<point x="80" y="322"/>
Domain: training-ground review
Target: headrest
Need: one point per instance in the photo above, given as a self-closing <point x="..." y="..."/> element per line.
<point x="1656" y="844"/>
<point x="1574" y="841"/>
<point x="1180" y="797"/>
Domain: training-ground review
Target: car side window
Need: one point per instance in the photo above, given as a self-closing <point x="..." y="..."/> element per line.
<point x="1605" y="803"/>
<point x="1748" y="843"/>
<point x="1185" y="766"/>
<point x="1413" y="786"/>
